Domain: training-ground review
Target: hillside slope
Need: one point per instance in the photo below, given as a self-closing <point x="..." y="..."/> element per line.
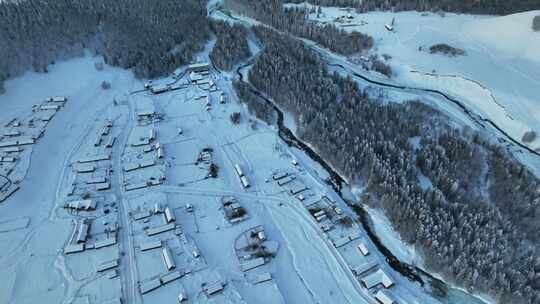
<point x="511" y="35"/>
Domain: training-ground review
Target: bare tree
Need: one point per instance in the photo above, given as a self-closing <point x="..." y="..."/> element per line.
<point x="105" y="85"/>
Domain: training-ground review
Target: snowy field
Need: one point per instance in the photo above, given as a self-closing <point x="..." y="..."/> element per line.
<point x="497" y="77"/>
<point x="391" y="239"/>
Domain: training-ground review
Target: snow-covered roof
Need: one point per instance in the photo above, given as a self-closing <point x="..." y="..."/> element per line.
<point x="363" y="268"/>
<point x="160" y="229"/>
<point x="214" y="288"/>
<point x="148" y="245"/>
<point x="12" y="133"/>
<point x="167" y="258"/>
<point x="107" y="265"/>
<point x="169" y="215"/>
<point x="105" y="242"/>
<point x="86" y="204"/>
<point x="146" y="287"/>
<point x="20" y="142"/>
<point x="84" y="168"/>
<point x="248" y="265"/>
<point x="200" y="65"/>
<point x="363" y="249"/>
<point x="194" y="76"/>
<point x="379" y="277"/>
<point x="169" y="277"/>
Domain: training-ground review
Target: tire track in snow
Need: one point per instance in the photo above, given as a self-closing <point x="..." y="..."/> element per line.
<point x="324" y="258"/>
<point x="295" y="265"/>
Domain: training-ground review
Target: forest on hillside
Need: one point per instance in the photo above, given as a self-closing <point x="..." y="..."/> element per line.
<point x="231" y="45"/>
<point x="475" y="221"/>
<point x="150" y="37"/>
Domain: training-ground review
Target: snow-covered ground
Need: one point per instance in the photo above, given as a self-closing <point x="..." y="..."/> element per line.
<point x="498" y="77"/>
<point x="510" y="35"/>
<point x="391" y="239"/>
<point x="31" y="257"/>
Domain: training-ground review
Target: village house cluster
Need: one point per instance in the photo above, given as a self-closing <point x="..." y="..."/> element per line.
<point x="155" y="193"/>
<point x="17" y="138"/>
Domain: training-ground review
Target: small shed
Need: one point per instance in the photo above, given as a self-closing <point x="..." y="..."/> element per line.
<point x="169" y="215"/>
<point x="251" y="264"/>
<point x="56" y="99"/>
<point x="149" y="245"/>
<point x="213" y="288"/>
<point x="245" y="182"/>
<point x="160" y="88"/>
<point x="169" y="277"/>
<point x="82" y="233"/>
<point x="167" y="258"/>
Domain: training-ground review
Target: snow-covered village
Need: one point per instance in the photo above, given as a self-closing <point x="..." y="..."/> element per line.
<point x="269" y="152"/>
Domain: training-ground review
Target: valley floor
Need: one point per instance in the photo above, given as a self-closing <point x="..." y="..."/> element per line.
<point x="92" y="215"/>
<point x="161" y="226"/>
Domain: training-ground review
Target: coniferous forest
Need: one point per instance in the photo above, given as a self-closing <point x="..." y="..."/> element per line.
<point x="150" y="37"/>
<point x="294" y="21"/>
<point x="231" y="45"/>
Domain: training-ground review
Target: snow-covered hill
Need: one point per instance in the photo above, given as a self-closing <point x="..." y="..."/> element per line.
<point x="510" y="35"/>
<point x="498" y="77"/>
